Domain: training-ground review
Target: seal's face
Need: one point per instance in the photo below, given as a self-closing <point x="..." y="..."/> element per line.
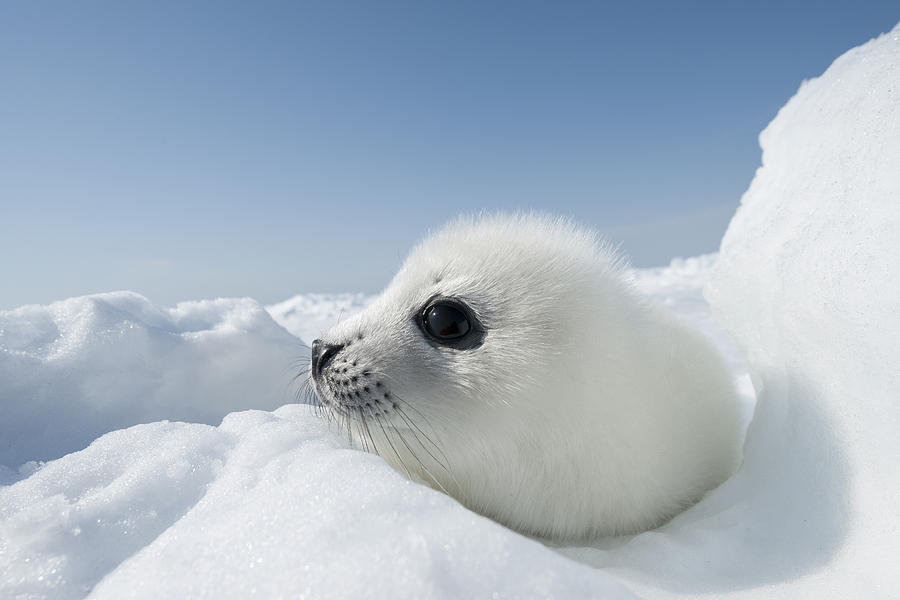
<point x="470" y="326"/>
<point x="357" y="382"/>
<point x="474" y="355"/>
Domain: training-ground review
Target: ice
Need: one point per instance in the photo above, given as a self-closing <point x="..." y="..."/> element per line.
<point x="79" y="368"/>
<point x="276" y="504"/>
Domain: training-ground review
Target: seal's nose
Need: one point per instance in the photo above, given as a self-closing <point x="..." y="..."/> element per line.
<point x="322" y="354"/>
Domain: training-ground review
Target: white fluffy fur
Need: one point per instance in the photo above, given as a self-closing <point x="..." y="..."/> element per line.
<point x="586" y="412"/>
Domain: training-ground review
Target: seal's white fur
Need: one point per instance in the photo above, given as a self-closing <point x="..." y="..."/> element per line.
<point x="585" y="412"/>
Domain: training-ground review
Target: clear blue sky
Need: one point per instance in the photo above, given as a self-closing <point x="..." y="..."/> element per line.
<point x="189" y="150"/>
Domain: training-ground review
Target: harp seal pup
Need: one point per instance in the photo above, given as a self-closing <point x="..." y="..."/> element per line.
<point x="511" y="364"/>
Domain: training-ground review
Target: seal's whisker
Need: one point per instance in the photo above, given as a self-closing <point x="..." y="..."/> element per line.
<point x="344" y="423"/>
<point x="405" y="443"/>
<point x="363" y="426"/>
<point x="362" y="429"/>
<point x="443" y="464"/>
<point x="290" y="383"/>
<point x="300" y="361"/>
<point x="305" y="392"/>
<point x="419" y="460"/>
<point x="299" y="375"/>
<point x="413" y="428"/>
<point x="394" y="394"/>
<point x="431" y="475"/>
<point x="394" y="448"/>
<point x="300" y="394"/>
<point x="372" y="437"/>
<point x="409" y="420"/>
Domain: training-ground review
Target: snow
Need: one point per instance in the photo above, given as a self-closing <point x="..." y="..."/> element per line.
<point x="807" y="281"/>
<point x="79" y="368"/>
<point x="309" y="315"/>
<point x="274" y="503"/>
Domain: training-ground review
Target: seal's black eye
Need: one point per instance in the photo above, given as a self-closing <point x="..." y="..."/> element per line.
<point x="444" y="321"/>
<point x="450" y="322"/>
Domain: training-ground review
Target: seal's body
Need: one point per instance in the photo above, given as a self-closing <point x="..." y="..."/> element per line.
<point x="510" y="364"/>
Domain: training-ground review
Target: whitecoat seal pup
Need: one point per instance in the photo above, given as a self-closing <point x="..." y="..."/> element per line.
<point x="510" y="364"/>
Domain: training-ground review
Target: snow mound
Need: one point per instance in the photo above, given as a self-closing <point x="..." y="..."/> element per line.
<point x="268" y="505"/>
<point x="680" y="273"/>
<point x="310" y="315"/>
<point x="807" y="280"/>
<point x="79" y="368"/>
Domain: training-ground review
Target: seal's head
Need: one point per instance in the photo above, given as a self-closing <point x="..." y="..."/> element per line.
<point x="510" y="364"/>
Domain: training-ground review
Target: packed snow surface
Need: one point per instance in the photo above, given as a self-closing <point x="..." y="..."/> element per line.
<point x="106" y="496"/>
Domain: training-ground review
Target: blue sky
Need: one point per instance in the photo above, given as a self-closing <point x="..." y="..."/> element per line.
<point x="189" y="150"/>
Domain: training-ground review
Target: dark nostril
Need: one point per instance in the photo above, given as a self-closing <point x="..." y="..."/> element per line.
<point x="322" y="354"/>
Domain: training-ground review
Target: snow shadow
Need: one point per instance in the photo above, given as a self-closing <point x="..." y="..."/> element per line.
<point x="782" y="515"/>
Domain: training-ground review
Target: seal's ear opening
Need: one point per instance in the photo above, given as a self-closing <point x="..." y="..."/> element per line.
<point x="450" y="322"/>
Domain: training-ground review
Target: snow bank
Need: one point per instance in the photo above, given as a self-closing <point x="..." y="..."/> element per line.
<point x="808" y="280"/>
<point x="79" y="368"/>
